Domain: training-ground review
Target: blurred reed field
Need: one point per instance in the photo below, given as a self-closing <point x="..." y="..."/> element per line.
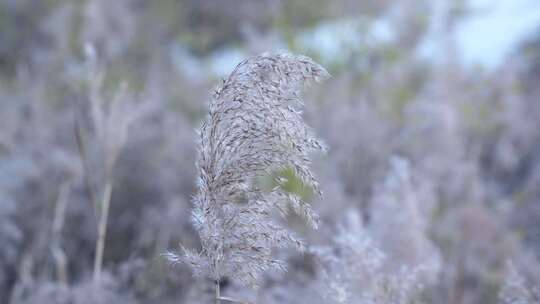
<point x="430" y="182"/>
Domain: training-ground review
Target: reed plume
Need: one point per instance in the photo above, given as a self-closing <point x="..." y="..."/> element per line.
<point x="254" y="129"/>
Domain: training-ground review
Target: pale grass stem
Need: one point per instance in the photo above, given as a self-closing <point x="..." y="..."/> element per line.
<point x="102" y="230"/>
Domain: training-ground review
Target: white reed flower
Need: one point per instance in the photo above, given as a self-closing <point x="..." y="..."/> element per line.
<point x="254" y="128"/>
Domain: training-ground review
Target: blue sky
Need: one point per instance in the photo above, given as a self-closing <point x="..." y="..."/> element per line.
<point x="485" y="38"/>
<point x="489" y="35"/>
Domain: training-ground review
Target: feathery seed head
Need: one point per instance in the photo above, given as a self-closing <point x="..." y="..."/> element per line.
<point x="254" y="128"/>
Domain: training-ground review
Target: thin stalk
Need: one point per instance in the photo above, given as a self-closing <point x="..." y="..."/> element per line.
<point x="102" y="231"/>
<point x="81" y="145"/>
<point x="218" y="296"/>
<point x="59" y="256"/>
<point x="228" y="299"/>
<point x="234" y="300"/>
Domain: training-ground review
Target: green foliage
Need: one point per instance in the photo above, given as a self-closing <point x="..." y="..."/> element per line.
<point x="292" y="184"/>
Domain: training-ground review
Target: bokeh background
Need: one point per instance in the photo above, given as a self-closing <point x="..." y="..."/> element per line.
<point x="432" y="117"/>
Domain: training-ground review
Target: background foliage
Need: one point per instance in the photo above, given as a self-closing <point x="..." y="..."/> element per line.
<point x="431" y="181"/>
